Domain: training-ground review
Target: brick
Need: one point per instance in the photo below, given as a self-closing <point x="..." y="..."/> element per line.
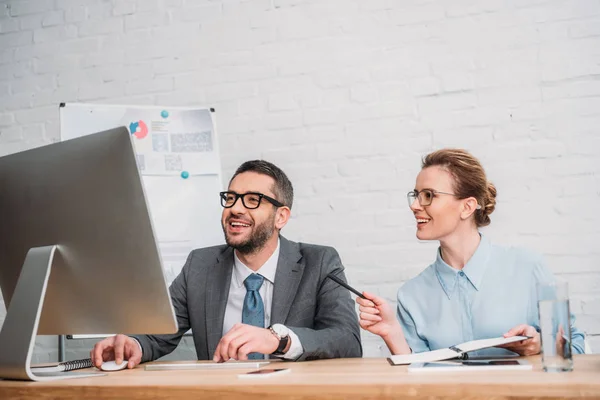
<point x="54" y="96"/>
<point x="101" y="27"/>
<point x="52" y="18"/>
<point x="198" y="14"/>
<point x="393" y="91"/>
<point x="462" y="8"/>
<point x="230" y="91"/>
<point x="240" y="125"/>
<point x="33" y="132"/>
<point x="594" y="342"/>
<point x="591" y="307"/>
<point x="557" y="11"/>
<point x="295" y="28"/>
<point x="290" y="84"/>
<point x="335" y="97"/>
<point x="106" y="90"/>
<point x="246" y="73"/>
<point x="474" y="136"/>
<point x="446" y="102"/>
<point x="293" y="154"/>
<point x="345" y="77"/>
<point x="320" y="116"/>
<point x="172" y="3"/>
<point x="283" y="120"/>
<point x="98" y="11"/>
<point x="182" y="98"/>
<point x="33" y="84"/>
<point x="11" y="134"/>
<point x="510" y="96"/>
<point x="569" y="89"/>
<point x="9" y="25"/>
<point x="24" y="7"/>
<point x="35" y="115"/>
<point x="57" y="64"/>
<point x="252" y="106"/>
<point x="7" y="56"/>
<point x="82" y="45"/>
<point x="148" y="86"/>
<point x="590" y="324"/>
<point x="144" y="20"/>
<point x="7" y="119"/>
<point x="174" y="33"/>
<point x="586" y="28"/>
<point x="424" y="87"/>
<point x="363" y="93"/>
<point x="14" y="39"/>
<point x="75" y="14"/>
<point x="124" y="8"/>
<point x="149" y="5"/>
<point x="55" y="33"/>
<point x="456" y="82"/>
<point x="281" y="102"/>
<point x="425" y="13"/>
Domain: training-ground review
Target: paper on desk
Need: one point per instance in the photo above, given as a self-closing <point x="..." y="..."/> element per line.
<point x="205" y="365"/>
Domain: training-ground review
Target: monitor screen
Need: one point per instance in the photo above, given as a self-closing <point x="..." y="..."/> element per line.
<point x="85" y="196"/>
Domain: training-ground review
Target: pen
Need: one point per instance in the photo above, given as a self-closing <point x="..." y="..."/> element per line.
<point x="344" y="284"/>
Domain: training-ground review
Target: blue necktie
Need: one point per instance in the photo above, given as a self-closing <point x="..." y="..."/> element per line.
<point x="254" y="309"/>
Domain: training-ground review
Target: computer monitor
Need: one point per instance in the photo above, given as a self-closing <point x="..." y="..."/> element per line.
<point x="76" y="238"/>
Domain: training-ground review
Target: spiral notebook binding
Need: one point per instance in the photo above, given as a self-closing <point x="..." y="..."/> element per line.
<point x="77" y="364"/>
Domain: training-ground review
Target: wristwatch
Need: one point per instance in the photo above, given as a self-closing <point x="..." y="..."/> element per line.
<point x="282" y="333"/>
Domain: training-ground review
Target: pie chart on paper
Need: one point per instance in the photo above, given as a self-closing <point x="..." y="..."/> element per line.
<point x="139" y="129"/>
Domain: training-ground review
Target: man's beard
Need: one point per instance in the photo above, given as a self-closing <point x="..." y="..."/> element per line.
<point x="258" y="238"/>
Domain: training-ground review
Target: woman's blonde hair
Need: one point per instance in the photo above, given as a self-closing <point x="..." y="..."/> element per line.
<point x="469" y="179"/>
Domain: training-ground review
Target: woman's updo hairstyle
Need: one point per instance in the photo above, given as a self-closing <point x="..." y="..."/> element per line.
<point x="469" y="179"/>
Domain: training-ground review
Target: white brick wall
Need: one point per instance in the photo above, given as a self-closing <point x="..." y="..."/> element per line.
<point x="346" y="96"/>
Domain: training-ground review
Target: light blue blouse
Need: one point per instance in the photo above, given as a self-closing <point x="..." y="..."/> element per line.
<point x="494" y="292"/>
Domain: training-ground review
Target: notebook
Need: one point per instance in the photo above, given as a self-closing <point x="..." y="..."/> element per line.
<point x="458" y="351"/>
<point x="63" y="366"/>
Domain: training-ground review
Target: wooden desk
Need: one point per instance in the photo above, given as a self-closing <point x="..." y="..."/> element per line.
<point x="330" y="379"/>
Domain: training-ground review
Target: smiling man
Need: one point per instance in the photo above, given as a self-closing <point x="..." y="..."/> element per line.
<point x="260" y="295"/>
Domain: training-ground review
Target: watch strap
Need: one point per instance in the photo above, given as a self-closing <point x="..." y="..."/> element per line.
<point x="283" y="342"/>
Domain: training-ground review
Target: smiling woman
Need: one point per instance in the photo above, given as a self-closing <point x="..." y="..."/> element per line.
<point x="474" y="289"/>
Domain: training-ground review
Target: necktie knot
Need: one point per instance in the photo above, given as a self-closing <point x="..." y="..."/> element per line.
<point x="254" y="282"/>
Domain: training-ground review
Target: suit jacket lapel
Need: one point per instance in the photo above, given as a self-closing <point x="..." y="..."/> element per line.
<point x="218" y="281"/>
<point x="287" y="278"/>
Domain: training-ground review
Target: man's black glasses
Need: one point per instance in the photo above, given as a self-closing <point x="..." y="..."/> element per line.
<point x="250" y="200"/>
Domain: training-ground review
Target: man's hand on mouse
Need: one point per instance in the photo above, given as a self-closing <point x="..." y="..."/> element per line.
<point x="244" y="339"/>
<point x="117" y="348"/>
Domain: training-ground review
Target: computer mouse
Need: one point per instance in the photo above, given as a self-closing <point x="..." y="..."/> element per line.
<point x="113" y="366"/>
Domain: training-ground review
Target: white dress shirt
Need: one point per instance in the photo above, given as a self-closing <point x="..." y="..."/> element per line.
<point x="237" y="293"/>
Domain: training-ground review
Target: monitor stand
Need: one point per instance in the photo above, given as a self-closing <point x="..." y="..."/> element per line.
<point x="17" y="336"/>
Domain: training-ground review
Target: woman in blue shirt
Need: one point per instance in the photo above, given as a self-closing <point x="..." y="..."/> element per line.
<point x="474" y="289"/>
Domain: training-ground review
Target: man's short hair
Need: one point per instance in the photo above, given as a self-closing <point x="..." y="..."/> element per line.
<point x="283" y="190"/>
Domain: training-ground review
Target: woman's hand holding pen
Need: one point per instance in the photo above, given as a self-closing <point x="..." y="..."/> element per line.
<point x="376" y="315"/>
<point x="379" y="318"/>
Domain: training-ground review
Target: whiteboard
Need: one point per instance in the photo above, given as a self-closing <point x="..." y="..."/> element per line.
<point x="178" y="158"/>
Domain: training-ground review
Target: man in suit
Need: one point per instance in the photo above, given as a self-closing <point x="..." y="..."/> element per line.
<point x="260" y="295"/>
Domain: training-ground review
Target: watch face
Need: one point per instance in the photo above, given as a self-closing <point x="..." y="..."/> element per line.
<point x="281" y="330"/>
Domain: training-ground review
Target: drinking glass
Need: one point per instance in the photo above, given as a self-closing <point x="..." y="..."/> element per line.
<point x="555" y="326"/>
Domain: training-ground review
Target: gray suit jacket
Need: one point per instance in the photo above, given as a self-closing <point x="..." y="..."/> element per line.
<point x="318" y="310"/>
